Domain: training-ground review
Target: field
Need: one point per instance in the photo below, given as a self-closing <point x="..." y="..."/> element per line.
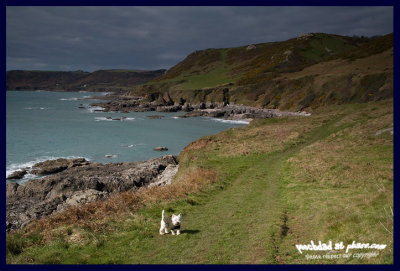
<point x="247" y="195"/>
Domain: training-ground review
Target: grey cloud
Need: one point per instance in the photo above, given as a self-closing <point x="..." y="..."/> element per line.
<point x="89" y="38"/>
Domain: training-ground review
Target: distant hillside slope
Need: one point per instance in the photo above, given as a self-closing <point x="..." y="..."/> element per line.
<point x="102" y="80"/>
<point x="308" y="71"/>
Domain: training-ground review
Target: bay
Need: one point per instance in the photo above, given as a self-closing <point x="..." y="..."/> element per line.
<point x="43" y="125"/>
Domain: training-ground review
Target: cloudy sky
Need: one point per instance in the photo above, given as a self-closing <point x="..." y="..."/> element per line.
<point x="92" y="38"/>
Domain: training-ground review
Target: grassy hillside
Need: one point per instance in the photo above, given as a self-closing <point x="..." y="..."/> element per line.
<point x="247" y="195"/>
<point x="292" y="75"/>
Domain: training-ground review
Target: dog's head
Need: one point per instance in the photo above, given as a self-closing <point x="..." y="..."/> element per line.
<point x="176" y="219"/>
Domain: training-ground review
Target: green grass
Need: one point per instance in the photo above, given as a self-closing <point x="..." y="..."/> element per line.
<point x="215" y="77"/>
<point x="281" y="182"/>
<point x="323" y="46"/>
<point x="201" y="75"/>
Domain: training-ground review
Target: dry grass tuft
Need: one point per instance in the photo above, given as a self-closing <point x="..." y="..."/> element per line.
<point x="95" y="215"/>
<point x="198" y="144"/>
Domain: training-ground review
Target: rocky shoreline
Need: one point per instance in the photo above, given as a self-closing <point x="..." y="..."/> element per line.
<point x="77" y="181"/>
<point x="126" y="104"/>
<point x="69" y="182"/>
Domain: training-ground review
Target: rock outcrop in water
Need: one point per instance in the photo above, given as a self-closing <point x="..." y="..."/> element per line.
<point x="214" y="110"/>
<point x="48" y="167"/>
<point x="55" y="166"/>
<point x="82" y="183"/>
<point x="16" y="175"/>
<point x="162" y="148"/>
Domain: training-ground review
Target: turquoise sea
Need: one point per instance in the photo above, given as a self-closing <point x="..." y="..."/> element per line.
<point x="43" y="125"/>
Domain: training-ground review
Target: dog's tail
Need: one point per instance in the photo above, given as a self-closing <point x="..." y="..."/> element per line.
<point x="162" y="215"/>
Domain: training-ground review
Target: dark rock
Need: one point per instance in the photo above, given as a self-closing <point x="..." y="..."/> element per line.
<point x="187" y="107"/>
<point x="78" y="185"/>
<point x="239" y="112"/>
<point x="193" y="114"/>
<point x="210" y="105"/>
<point x="160" y="149"/>
<point x="164" y="103"/>
<point x="199" y="106"/>
<point x="17" y="175"/>
<point x="216" y="114"/>
<point x="172" y="108"/>
<point x="55" y="166"/>
<point x="155" y="117"/>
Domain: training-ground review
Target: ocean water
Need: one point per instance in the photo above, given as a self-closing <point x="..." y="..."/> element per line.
<point x="42" y="125"/>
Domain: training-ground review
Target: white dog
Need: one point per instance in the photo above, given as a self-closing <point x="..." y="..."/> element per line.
<point x="172" y="222"/>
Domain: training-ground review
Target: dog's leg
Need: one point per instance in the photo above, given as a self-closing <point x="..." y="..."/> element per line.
<point x="173" y="233"/>
<point x="162" y="228"/>
<point x="178" y="232"/>
<point x="165" y="230"/>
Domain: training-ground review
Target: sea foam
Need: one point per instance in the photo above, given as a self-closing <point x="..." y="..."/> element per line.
<point x="70" y="99"/>
<point x="93" y="109"/>
<point x="113" y="119"/>
<point x="28" y="165"/>
<point x="230" y="121"/>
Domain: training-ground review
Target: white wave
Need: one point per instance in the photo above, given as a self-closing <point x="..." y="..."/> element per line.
<point x="93" y="109"/>
<point x="28" y="165"/>
<point x="37" y="108"/>
<point x="230" y="121"/>
<point x="69" y="99"/>
<point x="176" y="118"/>
<point x="127" y="146"/>
<point x="103" y="119"/>
<point x="19" y="166"/>
<point x="110" y="156"/>
<point x="132" y="145"/>
<point x="113" y="119"/>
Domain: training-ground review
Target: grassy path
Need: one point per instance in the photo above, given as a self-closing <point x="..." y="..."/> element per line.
<point x="234" y="226"/>
<point x="241" y="223"/>
<point x="242" y="218"/>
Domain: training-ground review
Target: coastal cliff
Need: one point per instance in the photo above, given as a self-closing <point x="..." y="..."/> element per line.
<point x="308" y="71"/>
